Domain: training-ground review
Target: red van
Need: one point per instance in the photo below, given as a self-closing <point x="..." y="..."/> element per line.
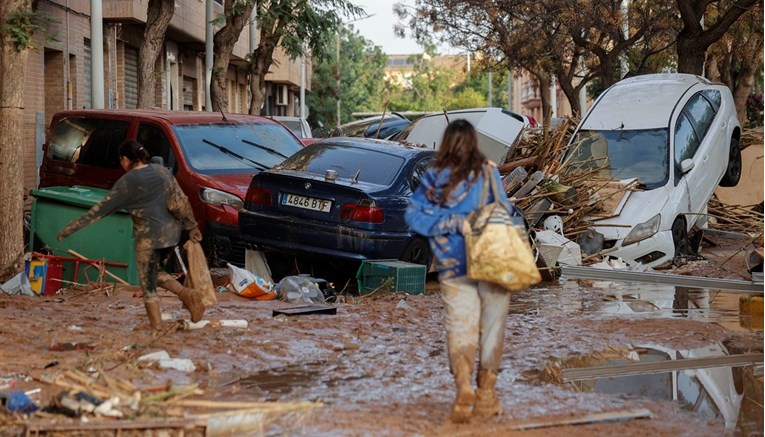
<point x="212" y="155"/>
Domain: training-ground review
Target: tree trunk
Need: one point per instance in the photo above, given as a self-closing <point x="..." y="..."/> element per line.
<point x="261" y="61"/>
<point x="572" y="94"/>
<point x="694" y="39"/>
<point x="158" y="16"/>
<point x="224" y="41"/>
<point x="12" y="64"/>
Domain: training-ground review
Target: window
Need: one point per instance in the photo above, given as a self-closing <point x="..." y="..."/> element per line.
<point x="88" y="141"/>
<point x="714" y="97"/>
<point x="686" y="141"/>
<point x="371" y="166"/>
<point x="701" y="112"/>
<point x="154" y="140"/>
<point x="419" y="169"/>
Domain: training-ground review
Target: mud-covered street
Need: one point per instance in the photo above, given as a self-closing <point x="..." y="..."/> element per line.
<point x="378" y="366"/>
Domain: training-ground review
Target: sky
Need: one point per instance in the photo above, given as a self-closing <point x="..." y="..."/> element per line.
<point x="379" y="27"/>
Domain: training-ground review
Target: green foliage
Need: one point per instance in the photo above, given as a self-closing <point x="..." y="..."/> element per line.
<point x="21" y="26"/>
<point x="467" y="98"/>
<point x="427" y="88"/>
<point x="362" y="72"/>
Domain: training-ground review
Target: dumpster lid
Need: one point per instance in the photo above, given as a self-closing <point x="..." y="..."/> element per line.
<point x="75" y="195"/>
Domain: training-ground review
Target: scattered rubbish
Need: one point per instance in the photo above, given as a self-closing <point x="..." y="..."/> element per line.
<point x="557" y="249"/>
<point x="74" y="328"/>
<point x="247" y="284"/>
<point x="403" y="305"/>
<point x="155" y="356"/>
<point x="214" y="323"/>
<point x="53" y="363"/>
<point x="255" y="261"/>
<point x="304" y="310"/>
<point x="18" y="284"/>
<point x="17" y="401"/>
<point x="641" y="413"/>
<point x="299" y="289"/>
<point x="182" y="364"/>
<point x="69" y="346"/>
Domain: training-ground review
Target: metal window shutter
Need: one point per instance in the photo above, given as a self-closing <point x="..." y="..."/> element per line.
<point x="188" y="91"/>
<point x="131" y="77"/>
<point x="88" y="77"/>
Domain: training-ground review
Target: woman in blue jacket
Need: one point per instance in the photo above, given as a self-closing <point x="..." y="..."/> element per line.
<point x="475" y="311"/>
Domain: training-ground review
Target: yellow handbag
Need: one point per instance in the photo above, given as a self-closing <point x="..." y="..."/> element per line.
<point x="498" y="251"/>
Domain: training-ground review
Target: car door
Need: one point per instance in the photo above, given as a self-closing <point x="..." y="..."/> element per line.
<point x="693" y="142"/>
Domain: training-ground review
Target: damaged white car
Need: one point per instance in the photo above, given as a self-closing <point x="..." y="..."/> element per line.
<point x="675" y="137"/>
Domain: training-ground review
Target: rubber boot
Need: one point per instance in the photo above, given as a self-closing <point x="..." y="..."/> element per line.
<point x="154" y="313"/>
<point x="191" y="300"/>
<point x="463" y="405"/>
<point x="487" y="405"/>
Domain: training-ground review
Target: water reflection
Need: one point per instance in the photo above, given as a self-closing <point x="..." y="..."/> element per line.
<point x="713" y="393"/>
<point x="661" y="300"/>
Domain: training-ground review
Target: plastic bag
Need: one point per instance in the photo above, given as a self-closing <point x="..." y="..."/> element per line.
<point x="299" y="289"/>
<point x="247" y="284"/>
<point x="199" y="274"/>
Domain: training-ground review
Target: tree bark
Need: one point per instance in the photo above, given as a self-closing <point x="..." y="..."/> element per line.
<point x="224" y="41"/>
<point x="12" y="64"/>
<point x="261" y="61"/>
<point x="158" y="16"/>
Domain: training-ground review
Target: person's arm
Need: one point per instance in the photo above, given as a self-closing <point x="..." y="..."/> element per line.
<point x="429" y="219"/>
<point x="114" y="200"/>
<point x="179" y="206"/>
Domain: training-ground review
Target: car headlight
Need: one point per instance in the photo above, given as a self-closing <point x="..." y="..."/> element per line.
<point x="217" y="197"/>
<point x="643" y="230"/>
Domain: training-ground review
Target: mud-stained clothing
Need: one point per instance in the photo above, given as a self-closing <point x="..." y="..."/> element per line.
<point x="442" y="224"/>
<point x="159" y="209"/>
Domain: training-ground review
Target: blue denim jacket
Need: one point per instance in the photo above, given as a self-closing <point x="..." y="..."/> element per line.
<point x="442" y="224"/>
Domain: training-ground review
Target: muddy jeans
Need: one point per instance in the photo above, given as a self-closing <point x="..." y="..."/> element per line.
<point x="475" y="315"/>
<point x="148" y="263"/>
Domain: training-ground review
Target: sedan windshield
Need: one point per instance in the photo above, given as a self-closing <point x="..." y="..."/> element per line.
<point x="234" y="148"/>
<point x="362" y="165"/>
<point x="623" y="154"/>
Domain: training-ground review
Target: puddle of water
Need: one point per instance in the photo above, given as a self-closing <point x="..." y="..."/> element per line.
<point x="283" y="380"/>
<point x="573" y="296"/>
<point x="726" y="395"/>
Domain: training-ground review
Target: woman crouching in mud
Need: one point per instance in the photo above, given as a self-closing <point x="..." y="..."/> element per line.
<point x="158" y="208"/>
<point x="475" y="311"/>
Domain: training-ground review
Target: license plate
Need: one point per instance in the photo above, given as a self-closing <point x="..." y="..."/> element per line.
<point x="307" y="202"/>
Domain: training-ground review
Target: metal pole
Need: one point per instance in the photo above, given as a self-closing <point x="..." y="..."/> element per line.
<point x="302" y="86"/>
<point x="208" y="53"/>
<point x="510" y="90"/>
<point x="337" y="40"/>
<point x="97" y="55"/>
<point x="491" y="83"/>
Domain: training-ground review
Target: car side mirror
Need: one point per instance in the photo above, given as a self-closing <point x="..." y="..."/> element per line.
<point x="686" y="166"/>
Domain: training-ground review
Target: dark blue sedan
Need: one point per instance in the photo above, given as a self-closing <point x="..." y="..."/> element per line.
<point x="341" y="197"/>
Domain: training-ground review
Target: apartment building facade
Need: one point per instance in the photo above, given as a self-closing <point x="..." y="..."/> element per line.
<point x="58" y="72"/>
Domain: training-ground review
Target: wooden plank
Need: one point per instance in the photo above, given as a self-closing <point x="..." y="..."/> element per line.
<point x="243" y="405"/>
<point x="641" y="413"/>
<point x="638" y="368"/>
<point x="118" y="425"/>
<point x="303" y="310"/>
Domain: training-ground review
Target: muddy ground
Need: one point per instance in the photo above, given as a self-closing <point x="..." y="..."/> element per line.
<point x="378" y="367"/>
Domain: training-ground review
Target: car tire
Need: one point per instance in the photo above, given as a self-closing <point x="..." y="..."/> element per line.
<point x="680" y="237"/>
<point x="418" y="252"/>
<point x="733" y="171"/>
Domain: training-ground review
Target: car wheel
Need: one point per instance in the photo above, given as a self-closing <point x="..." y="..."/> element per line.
<point x="733" y="172"/>
<point x="417" y="252"/>
<point x="680" y="237"/>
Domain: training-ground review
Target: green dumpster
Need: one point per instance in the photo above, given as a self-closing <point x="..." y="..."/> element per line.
<point x="109" y="239"/>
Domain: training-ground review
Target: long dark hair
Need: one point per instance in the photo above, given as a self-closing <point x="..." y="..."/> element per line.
<point x="135" y="152"/>
<point x="458" y="152"/>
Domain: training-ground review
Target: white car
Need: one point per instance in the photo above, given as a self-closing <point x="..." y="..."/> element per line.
<point x="298" y="126"/>
<point x="498" y="130"/>
<point x="677" y="136"/>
